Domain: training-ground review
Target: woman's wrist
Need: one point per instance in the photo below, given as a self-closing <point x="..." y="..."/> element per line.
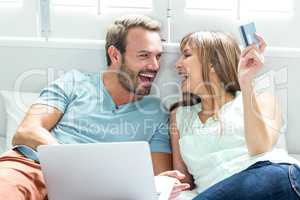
<point x="246" y="86"/>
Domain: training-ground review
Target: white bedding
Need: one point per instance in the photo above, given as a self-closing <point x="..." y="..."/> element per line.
<point x="2" y="144"/>
<point x="16" y="105"/>
<point x="187" y="195"/>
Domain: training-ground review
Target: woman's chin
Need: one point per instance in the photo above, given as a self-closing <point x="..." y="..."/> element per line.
<point x="185" y="89"/>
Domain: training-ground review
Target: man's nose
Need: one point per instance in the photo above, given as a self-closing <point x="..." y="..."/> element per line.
<point x="154" y="65"/>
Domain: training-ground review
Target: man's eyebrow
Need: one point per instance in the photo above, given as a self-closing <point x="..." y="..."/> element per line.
<point x="145" y="51"/>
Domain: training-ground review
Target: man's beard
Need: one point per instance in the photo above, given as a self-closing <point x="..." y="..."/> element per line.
<point x="129" y="80"/>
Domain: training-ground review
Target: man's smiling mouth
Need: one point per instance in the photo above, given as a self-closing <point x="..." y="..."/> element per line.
<point x="147" y="77"/>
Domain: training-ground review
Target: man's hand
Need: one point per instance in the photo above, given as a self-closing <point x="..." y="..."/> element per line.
<point x="178" y="187"/>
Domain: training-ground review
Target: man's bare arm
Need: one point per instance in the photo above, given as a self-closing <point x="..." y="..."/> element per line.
<point x="35" y="128"/>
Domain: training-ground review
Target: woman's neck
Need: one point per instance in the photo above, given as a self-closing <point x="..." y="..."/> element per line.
<point x="211" y="105"/>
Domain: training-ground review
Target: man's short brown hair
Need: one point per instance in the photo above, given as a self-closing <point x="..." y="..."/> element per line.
<point x="117" y="32"/>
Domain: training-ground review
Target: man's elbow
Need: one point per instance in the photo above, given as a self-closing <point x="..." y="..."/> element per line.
<point x="19" y="135"/>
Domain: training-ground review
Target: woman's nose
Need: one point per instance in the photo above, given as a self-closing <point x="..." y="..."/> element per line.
<point x="178" y="64"/>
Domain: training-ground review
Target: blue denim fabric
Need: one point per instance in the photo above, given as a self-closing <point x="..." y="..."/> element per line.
<point x="262" y="181"/>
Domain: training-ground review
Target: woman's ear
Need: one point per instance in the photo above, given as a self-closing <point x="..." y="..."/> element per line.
<point x="114" y="55"/>
<point x="212" y="73"/>
<point x="211" y="69"/>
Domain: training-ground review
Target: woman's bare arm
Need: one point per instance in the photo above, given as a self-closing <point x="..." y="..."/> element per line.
<point x="178" y="163"/>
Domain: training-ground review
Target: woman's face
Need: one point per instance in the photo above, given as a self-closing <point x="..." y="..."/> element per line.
<point x="190" y="69"/>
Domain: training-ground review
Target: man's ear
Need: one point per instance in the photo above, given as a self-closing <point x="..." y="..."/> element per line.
<point x="114" y="55"/>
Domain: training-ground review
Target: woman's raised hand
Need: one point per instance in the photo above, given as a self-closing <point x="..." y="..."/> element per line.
<point x="251" y="61"/>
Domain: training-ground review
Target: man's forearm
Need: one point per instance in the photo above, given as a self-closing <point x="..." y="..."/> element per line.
<point x="33" y="137"/>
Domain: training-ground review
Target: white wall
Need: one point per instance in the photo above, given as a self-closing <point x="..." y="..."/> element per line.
<point x="278" y="30"/>
<point x="24" y="21"/>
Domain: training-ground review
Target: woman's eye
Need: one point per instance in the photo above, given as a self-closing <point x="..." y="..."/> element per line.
<point x="186" y="55"/>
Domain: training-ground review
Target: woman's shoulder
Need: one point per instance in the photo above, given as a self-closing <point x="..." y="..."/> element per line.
<point x="184" y="111"/>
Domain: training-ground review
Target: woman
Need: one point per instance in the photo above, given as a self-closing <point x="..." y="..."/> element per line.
<point x="224" y="145"/>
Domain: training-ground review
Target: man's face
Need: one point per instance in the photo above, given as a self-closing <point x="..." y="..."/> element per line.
<point x="140" y="62"/>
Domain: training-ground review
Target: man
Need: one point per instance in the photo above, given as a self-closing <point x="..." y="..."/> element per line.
<point x="80" y="108"/>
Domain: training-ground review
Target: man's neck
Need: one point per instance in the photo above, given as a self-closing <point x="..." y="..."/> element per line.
<point x="119" y="94"/>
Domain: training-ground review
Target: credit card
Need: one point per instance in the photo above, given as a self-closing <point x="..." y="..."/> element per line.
<point x="248" y="34"/>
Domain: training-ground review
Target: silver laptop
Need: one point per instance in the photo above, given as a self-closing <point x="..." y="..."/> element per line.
<point x="108" y="171"/>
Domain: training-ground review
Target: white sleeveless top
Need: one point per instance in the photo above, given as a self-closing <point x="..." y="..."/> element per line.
<point x="214" y="151"/>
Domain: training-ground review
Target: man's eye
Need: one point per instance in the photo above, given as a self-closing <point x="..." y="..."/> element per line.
<point x="143" y="55"/>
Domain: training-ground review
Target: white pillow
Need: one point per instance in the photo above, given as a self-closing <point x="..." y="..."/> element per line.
<point x="2" y="118"/>
<point x="267" y="83"/>
<point x="16" y="105"/>
<point x="2" y="144"/>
